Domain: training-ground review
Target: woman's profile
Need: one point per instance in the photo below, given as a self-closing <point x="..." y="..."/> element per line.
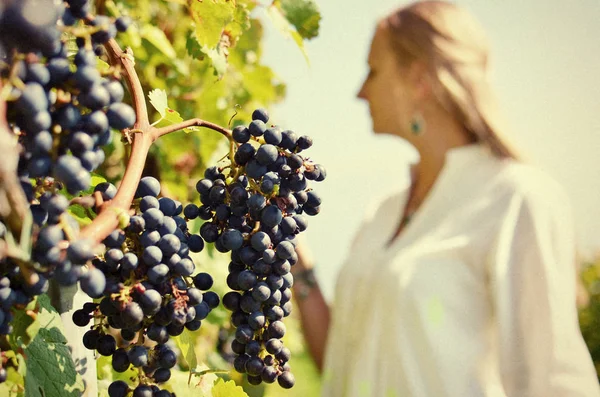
<point x="464" y="284"/>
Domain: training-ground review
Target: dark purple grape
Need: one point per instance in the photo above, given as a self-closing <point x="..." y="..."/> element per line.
<point x="202" y="310"/>
<point x="143" y="391"/>
<point x="132" y="314"/>
<point x="167" y="358"/>
<point x="231" y="300"/>
<point x="271" y="216"/>
<point x="254" y="366"/>
<point x="267" y="154"/>
<point x="118" y="388"/>
<point x="122" y="23"/>
<point x="211" y="298"/>
<point x="260" y="114"/>
<point x="148" y="186"/>
<point x="106" y="345"/>
<point x="232" y="239"/>
<point x="162" y="375"/>
<point x="288" y="140"/>
<point x="269" y="374"/>
<point x="273" y="136"/>
<point x="240" y="134"/>
<point x="257" y="127"/>
<point x="120" y="361"/>
<point x="286" y="380"/>
<point x="138" y="356"/>
<point x="81" y="318"/>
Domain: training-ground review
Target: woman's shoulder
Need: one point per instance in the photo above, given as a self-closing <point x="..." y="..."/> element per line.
<point x="529" y="182"/>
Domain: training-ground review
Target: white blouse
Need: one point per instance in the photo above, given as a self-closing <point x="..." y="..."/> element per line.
<point x="475" y="297"/>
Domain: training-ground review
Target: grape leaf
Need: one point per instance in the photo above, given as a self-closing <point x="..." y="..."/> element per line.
<point x="239" y="24"/>
<point x="282" y="24"/>
<point x="193" y="46"/>
<point x="158" y="99"/>
<point x="185" y="343"/>
<point x="168" y="116"/>
<point x="304" y="15"/>
<point x="218" y="56"/>
<point x="159" y="40"/>
<point x="50" y="368"/>
<point x="218" y="26"/>
<point x="211" y="17"/>
<point x="25" y="328"/>
<point x="227" y="389"/>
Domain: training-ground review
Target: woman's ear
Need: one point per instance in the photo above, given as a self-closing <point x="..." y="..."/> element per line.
<point x="420" y="81"/>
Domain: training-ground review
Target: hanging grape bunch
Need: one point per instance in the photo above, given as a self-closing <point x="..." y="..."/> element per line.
<point x="150" y="294"/>
<point x="254" y="207"/>
<point x="61" y="111"/>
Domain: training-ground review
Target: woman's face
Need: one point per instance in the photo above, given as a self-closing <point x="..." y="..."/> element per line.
<point x="386" y="89"/>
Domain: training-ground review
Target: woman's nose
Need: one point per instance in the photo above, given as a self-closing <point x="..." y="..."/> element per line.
<point x="362" y="92"/>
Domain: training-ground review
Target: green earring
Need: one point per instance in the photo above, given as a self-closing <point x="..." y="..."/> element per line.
<point x="417" y="124"/>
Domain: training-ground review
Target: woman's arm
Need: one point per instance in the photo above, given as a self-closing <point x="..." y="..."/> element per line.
<point x="532" y="275"/>
<point x="314" y="312"/>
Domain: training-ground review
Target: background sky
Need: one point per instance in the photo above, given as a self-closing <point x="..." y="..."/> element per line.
<point x="545" y="68"/>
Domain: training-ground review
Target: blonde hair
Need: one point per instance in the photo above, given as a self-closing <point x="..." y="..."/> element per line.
<point x="454" y="47"/>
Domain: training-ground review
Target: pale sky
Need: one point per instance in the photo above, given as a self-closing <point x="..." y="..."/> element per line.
<point x="546" y="65"/>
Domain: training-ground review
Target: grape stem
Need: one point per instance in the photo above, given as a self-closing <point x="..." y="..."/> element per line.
<point x="158" y="132"/>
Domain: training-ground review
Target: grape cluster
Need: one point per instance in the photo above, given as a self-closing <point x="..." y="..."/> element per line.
<point x="62" y="111"/>
<point x="254" y="207"/>
<point x="52" y="256"/>
<point x="147" y="290"/>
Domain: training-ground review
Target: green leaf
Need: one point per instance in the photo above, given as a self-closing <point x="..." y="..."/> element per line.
<point x="218" y="56"/>
<point x="193" y="46"/>
<point x="304" y="15"/>
<point x="227" y="389"/>
<point x="185" y="343"/>
<point x="159" y="40"/>
<point x="281" y="23"/>
<point x="80" y="214"/>
<point x="25" y="328"/>
<point x="50" y="368"/>
<point x="240" y="23"/>
<point x="211" y="18"/>
<point x="158" y="99"/>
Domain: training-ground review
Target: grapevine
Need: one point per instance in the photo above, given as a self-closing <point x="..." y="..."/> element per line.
<point x="58" y="111"/>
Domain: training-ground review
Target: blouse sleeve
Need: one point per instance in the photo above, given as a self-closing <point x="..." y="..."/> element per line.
<point x="532" y="276"/>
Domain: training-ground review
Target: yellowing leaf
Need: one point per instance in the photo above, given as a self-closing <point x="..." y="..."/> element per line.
<point x="227" y="389"/>
<point x="239" y="24"/>
<point x="211" y="17"/>
<point x="185" y="343"/>
<point x="158" y="99"/>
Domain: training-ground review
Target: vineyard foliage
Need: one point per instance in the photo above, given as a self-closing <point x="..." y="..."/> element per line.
<point x="194" y="59"/>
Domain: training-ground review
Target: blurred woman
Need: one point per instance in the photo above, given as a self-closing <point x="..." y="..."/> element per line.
<point x="464" y="284"/>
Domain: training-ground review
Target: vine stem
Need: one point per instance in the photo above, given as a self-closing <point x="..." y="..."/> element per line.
<point x="143" y="138"/>
<point x="107" y="220"/>
<point x="14" y="207"/>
